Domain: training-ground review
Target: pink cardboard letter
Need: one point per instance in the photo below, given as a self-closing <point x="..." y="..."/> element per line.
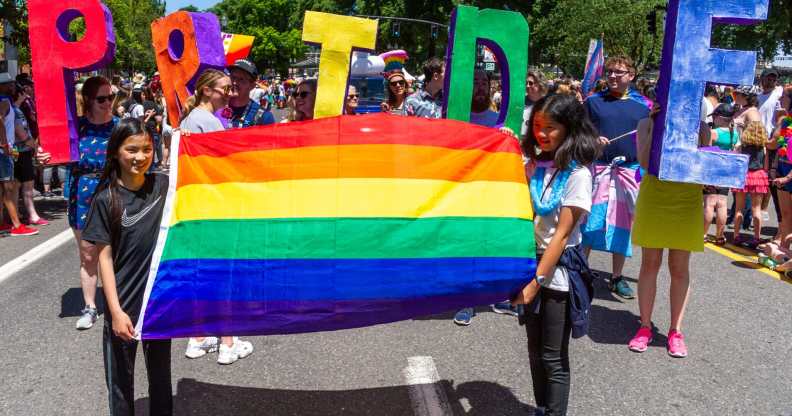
<point x="55" y="59"/>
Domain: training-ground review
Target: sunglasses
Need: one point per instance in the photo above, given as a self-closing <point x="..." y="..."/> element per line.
<point x="302" y="95"/>
<point x="226" y="90"/>
<point x="100" y="99"/>
<point x="398" y="83"/>
<point x="355" y="96"/>
<point x="531" y="83"/>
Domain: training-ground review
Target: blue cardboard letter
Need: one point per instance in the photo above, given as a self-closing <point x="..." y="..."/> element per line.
<point x="688" y="63"/>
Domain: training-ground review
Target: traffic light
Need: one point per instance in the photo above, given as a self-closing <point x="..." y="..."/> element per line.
<point x="396" y="30"/>
<point x="434" y="32"/>
<point x="651" y="22"/>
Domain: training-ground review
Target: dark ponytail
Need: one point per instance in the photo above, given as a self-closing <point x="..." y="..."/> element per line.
<point x="126" y="128"/>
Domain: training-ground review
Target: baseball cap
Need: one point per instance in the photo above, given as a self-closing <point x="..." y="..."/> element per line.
<point x="247" y="66"/>
<point x="724" y="110"/>
<point x="747" y="90"/>
<point x="770" y="71"/>
<point x="6" y="78"/>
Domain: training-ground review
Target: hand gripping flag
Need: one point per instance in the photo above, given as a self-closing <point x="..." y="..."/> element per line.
<point x="337" y="223"/>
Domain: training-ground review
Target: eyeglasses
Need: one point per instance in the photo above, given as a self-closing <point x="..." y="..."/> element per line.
<point x="617" y="72"/>
<point x="100" y="99"/>
<point x="353" y="96"/>
<point x="398" y="83"/>
<point x="226" y="89"/>
<point x="302" y="94"/>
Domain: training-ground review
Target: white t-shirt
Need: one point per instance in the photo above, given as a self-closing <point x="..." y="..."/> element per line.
<point x="256" y="94"/>
<point x="769" y="105"/>
<point x="706" y="109"/>
<point x="577" y="193"/>
<point x="136" y="111"/>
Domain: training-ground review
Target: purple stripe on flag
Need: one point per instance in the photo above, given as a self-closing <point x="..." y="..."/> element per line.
<point x="186" y="318"/>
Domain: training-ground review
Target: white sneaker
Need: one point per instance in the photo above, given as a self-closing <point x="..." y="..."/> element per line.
<point x="229" y="355"/>
<point x="87" y="319"/>
<point x="197" y="349"/>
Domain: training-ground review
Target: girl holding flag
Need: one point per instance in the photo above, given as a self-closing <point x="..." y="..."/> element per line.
<point x="561" y="144"/>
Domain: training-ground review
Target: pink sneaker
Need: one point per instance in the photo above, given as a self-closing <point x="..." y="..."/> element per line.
<point x="641" y="340"/>
<point x="676" y="344"/>
<point x="39" y="222"/>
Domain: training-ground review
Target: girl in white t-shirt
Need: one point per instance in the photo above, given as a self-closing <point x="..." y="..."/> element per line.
<point x="561" y="142"/>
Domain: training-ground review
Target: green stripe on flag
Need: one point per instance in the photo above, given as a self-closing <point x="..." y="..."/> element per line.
<point x="351" y="238"/>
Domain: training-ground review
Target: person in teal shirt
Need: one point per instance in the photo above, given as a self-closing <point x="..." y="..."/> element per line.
<point x="725" y="137"/>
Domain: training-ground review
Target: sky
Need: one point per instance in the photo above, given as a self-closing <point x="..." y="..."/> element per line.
<point x="173" y="5"/>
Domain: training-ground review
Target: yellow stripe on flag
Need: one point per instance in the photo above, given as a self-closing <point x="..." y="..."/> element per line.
<point x="356" y="198"/>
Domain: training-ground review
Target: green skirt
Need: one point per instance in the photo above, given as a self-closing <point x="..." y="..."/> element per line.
<point x="669" y="215"/>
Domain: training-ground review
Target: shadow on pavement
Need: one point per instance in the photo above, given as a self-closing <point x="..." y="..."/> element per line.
<point x="72" y="302"/>
<point x="449" y="316"/>
<point x="199" y="398"/>
<point x="50" y="209"/>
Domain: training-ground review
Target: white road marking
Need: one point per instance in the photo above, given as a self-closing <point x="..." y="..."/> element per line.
<point x="426" y="393"/>
<point x="25" y="260"/>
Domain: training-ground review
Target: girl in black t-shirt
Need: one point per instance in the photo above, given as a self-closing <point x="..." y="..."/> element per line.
<point x="123" y="223"/>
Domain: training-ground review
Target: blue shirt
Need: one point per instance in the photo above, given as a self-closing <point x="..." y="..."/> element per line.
<point x="486" y="118"/>
<point x="422" y="104"/>
<point x="613" y="117"/>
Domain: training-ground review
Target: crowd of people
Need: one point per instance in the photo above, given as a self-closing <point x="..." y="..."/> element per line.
<point x="586" y="154"/>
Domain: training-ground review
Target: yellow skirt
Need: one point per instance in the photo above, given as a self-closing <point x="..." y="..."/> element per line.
<point x="669" y="215"/>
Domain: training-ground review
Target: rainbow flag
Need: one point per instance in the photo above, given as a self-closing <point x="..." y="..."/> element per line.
<point x="236" y="46"/>
<point x="337" y="223"/>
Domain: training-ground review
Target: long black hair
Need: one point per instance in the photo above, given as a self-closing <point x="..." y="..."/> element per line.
<point x="580" y="143"/>
<point x="125" y="129"/>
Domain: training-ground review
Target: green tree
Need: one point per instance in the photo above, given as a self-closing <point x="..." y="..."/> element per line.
<point x="132" y="24"/>
<point x="766" y="38"/>
<point x="15" y="13"/>
<point x="190" y="8"/>
<point x="278" y="42"/>
<point x="561" y="31"/>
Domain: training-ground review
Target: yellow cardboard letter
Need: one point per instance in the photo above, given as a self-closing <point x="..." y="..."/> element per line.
<point x="338" y="36"/>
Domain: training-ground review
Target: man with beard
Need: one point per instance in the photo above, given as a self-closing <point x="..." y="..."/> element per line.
<point x="482" y="115"/>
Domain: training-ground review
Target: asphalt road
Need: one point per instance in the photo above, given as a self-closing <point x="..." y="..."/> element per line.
<point x="738" y="329"/>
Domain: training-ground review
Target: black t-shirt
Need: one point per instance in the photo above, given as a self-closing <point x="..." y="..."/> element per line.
<point x="139" y="227"/>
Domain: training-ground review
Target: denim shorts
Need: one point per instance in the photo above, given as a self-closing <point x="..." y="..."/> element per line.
<point x="6" y="168"/>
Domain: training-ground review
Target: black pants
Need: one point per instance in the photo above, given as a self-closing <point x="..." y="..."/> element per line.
<point x="119" y="360"/>
<point x="548" y="350"/>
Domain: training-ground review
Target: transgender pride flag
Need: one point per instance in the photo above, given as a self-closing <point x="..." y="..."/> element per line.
<point x="337" y="223"/>
<point x="595" y="64"/>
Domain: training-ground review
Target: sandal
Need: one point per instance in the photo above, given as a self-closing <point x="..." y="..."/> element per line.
<point x="719" y="241"/>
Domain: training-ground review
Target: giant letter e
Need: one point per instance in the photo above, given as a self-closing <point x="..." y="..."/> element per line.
<point x="688" y="63"/>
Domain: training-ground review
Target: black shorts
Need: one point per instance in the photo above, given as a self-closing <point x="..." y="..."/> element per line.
<point x="23" y="167"/>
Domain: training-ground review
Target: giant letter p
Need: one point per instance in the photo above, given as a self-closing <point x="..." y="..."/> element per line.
<point x="55" y="59"/>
